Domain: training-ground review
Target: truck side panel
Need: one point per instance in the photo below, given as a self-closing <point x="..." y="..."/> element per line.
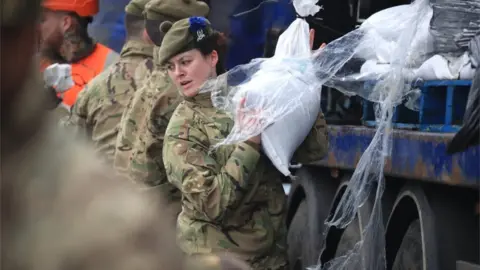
<point x="415" y="155"/>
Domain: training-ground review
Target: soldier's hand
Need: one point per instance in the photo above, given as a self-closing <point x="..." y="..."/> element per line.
<point x="312" y="39"/>
<point x="249" y="122"/>
<point x="52" y="99"/>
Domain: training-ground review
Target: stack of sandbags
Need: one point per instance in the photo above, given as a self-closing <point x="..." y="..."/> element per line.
<point x="383" y="31"/>
<point x="454" y="24"/>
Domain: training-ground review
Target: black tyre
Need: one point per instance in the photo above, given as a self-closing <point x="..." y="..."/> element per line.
<point x="411" y="231"/>
<point x="350" y="236"/>
<point x="309" y="206"/>
<point x="297" y="236"/>
<point x="410" y="253"/>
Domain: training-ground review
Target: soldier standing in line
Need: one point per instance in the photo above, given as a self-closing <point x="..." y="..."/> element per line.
<point x="140" y="140"/>
<point x="232" y="196"/>
<point x="97" y="113"/>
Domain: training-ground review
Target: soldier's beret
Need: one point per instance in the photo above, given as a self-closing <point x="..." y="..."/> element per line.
<point x="136" y="7"/>
<point x="174" y="10"/>
<point x="183" y="36"/>
<point x="15" y="12"/>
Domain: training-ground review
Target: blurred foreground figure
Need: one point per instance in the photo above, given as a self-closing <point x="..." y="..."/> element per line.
<point x="60" y="208"/>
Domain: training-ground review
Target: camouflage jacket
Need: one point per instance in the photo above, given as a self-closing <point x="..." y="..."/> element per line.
<point x="140" y="139"/>
<point x="99" y="107"/>
<point x="51" y="184"/>
<point x="232" y="196"/>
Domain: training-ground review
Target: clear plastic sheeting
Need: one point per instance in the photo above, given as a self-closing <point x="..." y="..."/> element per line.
<point x="255" y="96"/>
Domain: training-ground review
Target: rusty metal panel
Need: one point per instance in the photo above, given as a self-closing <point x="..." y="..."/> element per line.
<point x="415" y="155"/>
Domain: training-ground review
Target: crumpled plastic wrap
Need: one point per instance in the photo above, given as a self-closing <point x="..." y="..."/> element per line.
<point x="58" y="76"/>
<point x="254" y="94"/>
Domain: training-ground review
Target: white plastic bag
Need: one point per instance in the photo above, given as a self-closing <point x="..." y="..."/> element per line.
<point x="59" y="76"/>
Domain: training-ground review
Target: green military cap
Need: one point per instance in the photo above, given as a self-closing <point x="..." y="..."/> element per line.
<point x="182" y="36"/>
<point x="15" y="12"/>
<point x="174" y="10"/>
<point x="136" y="7"/>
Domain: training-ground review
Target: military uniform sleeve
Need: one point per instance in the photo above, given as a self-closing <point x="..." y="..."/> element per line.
<point x="206" y="186"/>
<point x="315" y="145"/>
<point x="77" y="121"/>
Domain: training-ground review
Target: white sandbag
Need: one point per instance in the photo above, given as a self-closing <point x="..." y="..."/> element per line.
<point x="281" y="95"/>
<point x="467" y="72"/>
<point x="383" y="30"/>
<point x="281" y="140"/>
<point x="440" y="67"/>
<point x="435" y="68"/>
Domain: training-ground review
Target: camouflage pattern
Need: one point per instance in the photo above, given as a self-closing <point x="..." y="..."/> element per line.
<point x="99" y="107"/>
<point x="51" y="184"/>
<point x="142" y="129"/>
<point x="232" y="196"/>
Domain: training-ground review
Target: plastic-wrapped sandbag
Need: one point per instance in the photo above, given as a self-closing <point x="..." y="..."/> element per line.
<point x="383" y="29"/>
<point x="272" y="86"/>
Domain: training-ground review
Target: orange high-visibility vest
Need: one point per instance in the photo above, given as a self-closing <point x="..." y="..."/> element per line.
<point x="85" y="70"/>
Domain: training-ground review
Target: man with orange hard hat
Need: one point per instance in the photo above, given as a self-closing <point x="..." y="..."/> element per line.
<point x="67" y="51"/>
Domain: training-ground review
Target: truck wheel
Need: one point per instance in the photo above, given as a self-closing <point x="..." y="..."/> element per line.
<point x="341" y="241"/>
<point x="410" y="255"/>
<point x="297" y="237"/>
<point x="350" y="236"/>
<point x="410" y="236"/>
<point x="309" y="205"/>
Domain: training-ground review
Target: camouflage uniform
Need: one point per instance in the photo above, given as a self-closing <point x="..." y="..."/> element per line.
<point x="232" y="196"/>
<point x="143" y="125"/>
<point x="233" y="199"/>
<point x="99" y="107"/>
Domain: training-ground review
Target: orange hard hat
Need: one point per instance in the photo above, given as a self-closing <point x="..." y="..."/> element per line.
<point x="84" y="8"/>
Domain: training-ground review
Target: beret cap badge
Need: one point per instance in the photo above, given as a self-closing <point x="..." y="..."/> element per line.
<point x="198" y="28"/>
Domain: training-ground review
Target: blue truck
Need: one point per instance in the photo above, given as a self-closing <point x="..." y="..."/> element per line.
<point x="430" y="204"/>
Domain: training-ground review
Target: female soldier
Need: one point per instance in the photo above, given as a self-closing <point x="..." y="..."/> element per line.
<point x="232" y="197"/>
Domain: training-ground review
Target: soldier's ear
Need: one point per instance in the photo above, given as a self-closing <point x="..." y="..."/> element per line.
<point x="146" y="37"/>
